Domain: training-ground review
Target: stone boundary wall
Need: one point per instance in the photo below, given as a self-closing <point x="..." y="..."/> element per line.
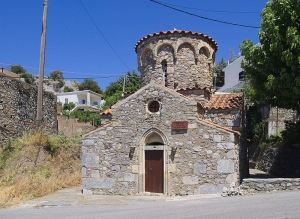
<point x="71" y="128"/>
<point x="18" y="108"/>
<point x="256" y="186"/>
<point x="284" y="162"/>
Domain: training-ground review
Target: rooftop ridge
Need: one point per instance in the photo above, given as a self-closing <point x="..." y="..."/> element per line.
<point x="178" y="32"/>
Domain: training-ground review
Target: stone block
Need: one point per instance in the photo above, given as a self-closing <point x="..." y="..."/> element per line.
<point x="205" y="136"/>
<point x="129" y="177"/>
<point x="88" y="142"/>
<point x="217" y="138"/>
<point x="95" y="174"/>
<point x="230" y="123"/>
<point x="135" y="168"/>
<point x="231" y="154"/>
<point x="115" y="168"/>
<point x="210" y="189"/>
<point x="231" y="137"/>
<point x="172" y="168"/>
<point x="90" y="160"/>
<point x="100" y="183"/>
<point x="190" y="180"/>
<point x="102" y="133"/>
<point x="87" y="192"/>
<point x="231" y="178"/>
<point x="197" y="148"/>
<point x="225" y="146"/>
<point x="199" y="168"/>
<point x="216" y="156"/>
<point x="83" y="172"/>
<point x="193" y="126"/>
<point x="225" y="166"/>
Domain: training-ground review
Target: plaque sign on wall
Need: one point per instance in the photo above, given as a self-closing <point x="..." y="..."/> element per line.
<point x="180" y="125"/>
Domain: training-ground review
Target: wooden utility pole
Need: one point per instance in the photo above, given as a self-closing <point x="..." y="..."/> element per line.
<point x="42" y="64"/>
<point x="124" y="80"/>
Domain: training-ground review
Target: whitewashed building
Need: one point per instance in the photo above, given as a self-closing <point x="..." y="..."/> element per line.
<point x="83" y="100"/>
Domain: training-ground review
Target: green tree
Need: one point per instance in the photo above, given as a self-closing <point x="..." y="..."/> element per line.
<point x="220" y="73"/>
<point x="273" y="67"/>
<point x="113" y="92"/>
<point x="18" y="69"/>
<point x="68" y="89"/>
<point x="90" y="84"/>
<point x="68" y="106"/>
<point x="56" y="75"/>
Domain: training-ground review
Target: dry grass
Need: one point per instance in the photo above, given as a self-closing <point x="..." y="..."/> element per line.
<point x="36" y="165"/>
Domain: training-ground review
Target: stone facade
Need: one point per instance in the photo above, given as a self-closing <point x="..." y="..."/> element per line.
<point x="168" y="121"/>
<point x="177" y="59"/>
<point x="202" y="159"/>
<point x="18" y="102"/>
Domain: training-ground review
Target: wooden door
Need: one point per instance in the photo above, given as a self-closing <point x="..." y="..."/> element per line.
<point x="154" y="169"/>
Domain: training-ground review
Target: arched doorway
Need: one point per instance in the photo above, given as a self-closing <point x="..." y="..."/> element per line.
<point x="154" y="163"/>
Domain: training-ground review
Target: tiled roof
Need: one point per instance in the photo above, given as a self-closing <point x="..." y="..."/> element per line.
<point x="178" y="32"/>
<point x="108" y="111"/>
<point x="225" y="101"/>
<point x="196" y="88"/>
<point x="129" y="92"/>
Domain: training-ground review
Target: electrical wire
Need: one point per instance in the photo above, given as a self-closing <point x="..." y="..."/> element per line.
<point x="217" y="11"/>
<point x="71" y="72"/>
<point x="102" y="34"/>
<point x="206" y="18"/>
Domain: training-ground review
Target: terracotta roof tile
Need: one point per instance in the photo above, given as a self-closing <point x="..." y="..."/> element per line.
<point x="225" y="101"/>
<point x="108" y="111"/>
<point x="129" y="92"/>
<point x="178" y="32"/>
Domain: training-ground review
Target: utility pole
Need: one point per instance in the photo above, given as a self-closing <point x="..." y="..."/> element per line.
<point x="124" y="86"/>
<point x="42" y="64"/>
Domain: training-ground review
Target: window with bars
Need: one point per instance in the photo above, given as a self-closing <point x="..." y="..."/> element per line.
<point x="153" y="107"/>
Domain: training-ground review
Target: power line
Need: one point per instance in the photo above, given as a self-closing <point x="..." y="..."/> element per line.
<point x="103" y="35"/>
<point x="217" y="11"/>
<point x="206" y="18"/>
<point x="73" y="72"/>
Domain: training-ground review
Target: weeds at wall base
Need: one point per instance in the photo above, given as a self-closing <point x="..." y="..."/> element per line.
<point x="35" y="165"/>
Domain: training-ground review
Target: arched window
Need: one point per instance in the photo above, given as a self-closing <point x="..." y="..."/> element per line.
<point x="164" y="66"/>
<point x="204" y="51"/>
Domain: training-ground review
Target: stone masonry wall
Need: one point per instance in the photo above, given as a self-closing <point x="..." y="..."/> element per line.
<point x="284" y="162"/>
<point x="200" y="95"/>
<point x="71" y="128"/>
<point x="189" y="59"/>
<point x="225" y="117"/>
<point x="18" y="102"/>
<point x="205" y="159"/>
<point x="255" y="186"/>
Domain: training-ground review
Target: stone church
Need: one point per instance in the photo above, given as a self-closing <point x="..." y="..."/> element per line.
<point x="174" y="136"/>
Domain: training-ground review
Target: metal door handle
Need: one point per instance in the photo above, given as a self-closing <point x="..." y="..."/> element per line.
<point x="150" y="170"/>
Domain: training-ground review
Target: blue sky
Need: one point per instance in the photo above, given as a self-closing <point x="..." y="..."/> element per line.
<point x="75" y="46"/>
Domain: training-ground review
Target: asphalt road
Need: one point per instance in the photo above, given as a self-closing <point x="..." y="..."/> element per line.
<point x="279" y="205"/>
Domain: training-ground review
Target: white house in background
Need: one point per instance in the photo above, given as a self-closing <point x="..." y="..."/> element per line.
<point x="83" y="100"/>
<point x="234" y="76"/>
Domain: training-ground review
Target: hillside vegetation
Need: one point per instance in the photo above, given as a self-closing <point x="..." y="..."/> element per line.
<point x="35" y="165"/>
